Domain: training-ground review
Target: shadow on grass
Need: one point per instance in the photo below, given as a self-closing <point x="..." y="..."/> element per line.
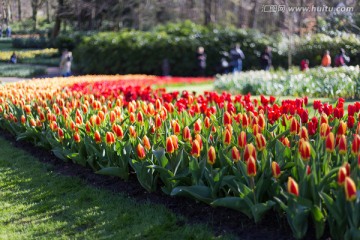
<point x="38" y="203"/>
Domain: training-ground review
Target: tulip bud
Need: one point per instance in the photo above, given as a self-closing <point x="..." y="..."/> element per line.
<point x="158" y="121"/>
<point x="256" y="129"/>
<point x="235" y="154"/>
<point x="60" y="134"/>
<point x="323" y="118"/>
<point x="275" y="168"/>
<point x="195" y="148"/>
<point x="197" y="126"/>
<point x="242" y="139"/>
<point x="27" y="109"/>
<point x="146" y="143"/>
<point x="330" y="142"/>
<point x="207" y="123"/>
<point x="77" y="137"/>
<point x="304" y="150"/>
<point x="32" y="122"/>
<point x="249" y="152"/>
<point x="342" y="145"/>
<point x="132" y="132"/>
<point x="294" y="126"/>
<point x="260" y="142"/>
<point x="187" y="134"/>
<point x="292" y="187"/>
<point x="355" y="146"/>
<point x="110" y="138"/>
<point x="308" y="170"/>
<point x="244" y="121"/>
<point x="227" y="137"/>
<point x="175" y="141"/>
<point x="169" y="145"/>
<point x="342" y="174"/>
<point x="346" y="165"/>
<point x="342" y="128"/>
<point x="140" y="151"/>
<point x="261" y="121"/>
<point x="158" y="104"/>
<point x="251" y="167"/>
<point x="350" y="189"/>
<point x="118" y="131"/>
<point x="23" y="119"/>
<point x="285" y="141"/>
<point x="199" y="139"/>
<point x="227" y="118"/>
<point x="132" y="118"/>
<point x="176" y="127"/>
<point x="211" y="155"/>
<point x="97" y="137"/>
<point x="324" y="130"/>
<point x="53" y="126"/>
<point x="304" y="133"/>
<point x="140" y="118"/>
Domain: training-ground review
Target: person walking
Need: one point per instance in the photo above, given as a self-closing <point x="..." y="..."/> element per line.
<point x="237" y="56"/>
<point x="201" y="61"/>
<point x="326" y="60"/>
<point x="341" y="59"/>
<point x="266" y="59"/>
<point x="65" y="63"/>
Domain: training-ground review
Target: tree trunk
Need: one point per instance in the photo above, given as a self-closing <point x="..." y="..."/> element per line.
<point x="34" y="6"/>
<point x="57" y="25"/>
<point x="47" y="11"/>
<point x="255" y="13"/>
<point x="19" y="9"/>
<point x="207" y="12"/>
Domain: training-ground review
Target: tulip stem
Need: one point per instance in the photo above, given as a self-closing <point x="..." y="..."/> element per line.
<point x="252" y="186"/>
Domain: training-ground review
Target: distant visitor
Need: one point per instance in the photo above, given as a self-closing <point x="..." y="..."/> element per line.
<point x="341" y="59"/>
<point x="304" y="65"/>
<point x="237" y="57"/>
<point x="201" y="61"/>
<point x="326" y="60"/>
<point x="65" y="63"/>
<point x="13" y="58"/>
<point x="266" y="59"/>
<point x="8" y="31"/>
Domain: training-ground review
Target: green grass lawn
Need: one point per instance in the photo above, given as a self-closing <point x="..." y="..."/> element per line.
<point x="21" y="70"/>
<point x="38" y="203"/>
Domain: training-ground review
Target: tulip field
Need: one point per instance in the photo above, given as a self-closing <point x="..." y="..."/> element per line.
<point x="250" y="154"/>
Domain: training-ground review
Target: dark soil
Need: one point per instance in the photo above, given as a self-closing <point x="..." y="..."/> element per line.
<point x="221" y="220"/>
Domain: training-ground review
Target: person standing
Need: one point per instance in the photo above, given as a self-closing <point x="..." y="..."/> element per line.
<point x="8" y="31"/>
<point x="326" y="60"/>
<point x="201" y="61"/>
<point x="341" y="59"/>
<point x="266" y="59"/>
<point x="65" y="63"/>
<point x="304" y="65"/>
<point x="1" y="31"/>
<point x="237" y="57"/>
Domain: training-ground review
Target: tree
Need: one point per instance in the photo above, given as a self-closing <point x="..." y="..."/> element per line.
<point x="35" y="5"/>
<point x="57" y="24"/>
<point x="207" y="12"/>
<point x="19" y="9"/>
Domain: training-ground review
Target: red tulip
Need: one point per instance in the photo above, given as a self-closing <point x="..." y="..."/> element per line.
<point x="187" y="134"/>
<point x="97" y="137"/>
<point x="292" y="187"/>
<point x="199" y="139"/>
<point x="176" y="127"/>
<point x="346" y="165"/>
<point x="227" y="118"/>
<point x="53" y="126"/>
<point x="324" y="130"/>
<point x="261" y="121"/>
<point x="169" y="145"/>
<point x="244" y="121"/>
<point x="175" y="141"/>
<point x="146" y="143"/>
<point x="109" y="138"/>
<point x="285" y="141"/>
<point x="32" y="122"/>
<point x="308" y="170"/>
<point x="211" y="155"/>
<point x="60" y="134"/>
<point x="350" y="189"/>
<point x="27" y="109"/>
<point x="118" y="131"/>
<point x="197" y="126"/>
<point x="132" y="117"/>
<point x="294" y="126"/>
<point x="304" y="133"/>
<point x="256" y="129"/>
<point x="158" y="121"/>
<point x="342" y="128"/>
<point x="132" y="132"/>
<point x="207" y="123"/>
<point x="140" y="117"/>
<point x="235" y="154"/>
<point x="251" y="167"/>
<point x="227" y="137"/>
<point x="140" y="150"/>
<point x="275" y="168"/>
<point x="330" y="142"/>
<point x="23" y="119"/>
<point x="355" y="146"/>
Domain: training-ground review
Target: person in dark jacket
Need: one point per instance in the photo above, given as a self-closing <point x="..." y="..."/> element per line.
<point x="341" y="59"/>
<point x="265" y="59"/>
<point x="201" y="61"/>
<point x="237" y="56"/>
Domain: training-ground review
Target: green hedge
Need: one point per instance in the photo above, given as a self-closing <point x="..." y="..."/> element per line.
<point x="131" y="51"/>
<point x="30" y="42"/>
<point x="143" y="52"/>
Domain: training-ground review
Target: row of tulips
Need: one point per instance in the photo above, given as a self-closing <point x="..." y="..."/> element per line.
<point x="251" y="155"/>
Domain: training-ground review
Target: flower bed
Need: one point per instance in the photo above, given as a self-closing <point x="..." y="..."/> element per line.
<point x="251" y="155"/>
<point x="5" y="55"/>
<point x="317" y="82"/>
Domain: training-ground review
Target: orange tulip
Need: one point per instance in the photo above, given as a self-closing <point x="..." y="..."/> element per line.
<point x="342" y="174"/>
<point x="175" y="141"/>
<point x="132" y="132"/>
<point x="235" y="154"/>
<point x="260" y="142"/>
<point x="292" y="187"/>
<point x="176" y="127"/>
<point x="227" y="118"/>
<point x="140" y="118"/>
<point x="169" y="145"/>
<point x="97" y="137"/>
<point x="285" y="141"/>
<point x="199" y="139"/>
<point x="60" y="134"/>
<point x="342" y="145"/>
<point x="187" y="134"/>
<point x="256" y="129"/>
<point x="32" y="122"/>
<point x="251" y="167"/>
<point x="304" y="133"/>
<point x="342" y="128"/>
<point x="207" y="123"/>
<point x="132" y="117"/>
<point x="350" y="189"/>
<point x="140" y="150"/>
<point x="195" y="148"/>
<point x="275" y="168"/>
<point x="23" y="119"/>
<point x="330" y="142"/>
<point x="249" y="152"/>
<point x="242" y="139"/>
<point x="323" y="118"/>
<point x="197" y="126"/>
<point x="304" y="150"/>
<point x="355" y="146"/>
<point x="27" y="109"/>
<point x="211" y="155"/>
<point x="77" y="137"/>
<point x="146" y="143"/>
<point x="227" y="137"/>
<point x="324" y="130"/>
<point x="158" y="121"/>
<point x="110" y="138"/>
<point x="294" y="126"/>
<point x="53" y="126"/>
<point x="118" y="131"/>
